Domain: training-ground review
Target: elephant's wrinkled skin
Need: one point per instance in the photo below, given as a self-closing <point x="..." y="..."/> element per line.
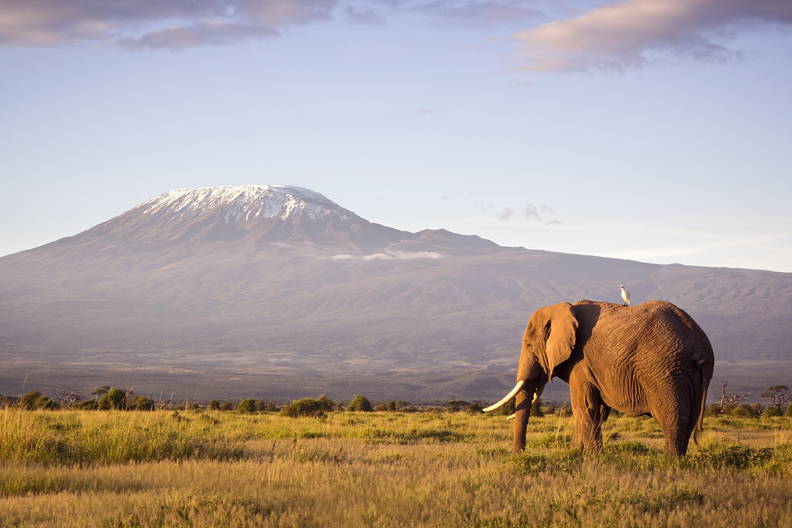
<point x="651" y="358"/>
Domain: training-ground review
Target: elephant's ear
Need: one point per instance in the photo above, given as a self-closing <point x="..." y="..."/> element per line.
<point x="560" y="327"/>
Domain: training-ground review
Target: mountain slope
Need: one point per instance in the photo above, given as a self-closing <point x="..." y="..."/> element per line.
<point x="270" y="280"/>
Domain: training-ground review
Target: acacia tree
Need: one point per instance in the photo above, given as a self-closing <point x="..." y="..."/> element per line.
<point x="730" y="401"/>
<point x="777" y="395"/>
<point x="70" y="398"/>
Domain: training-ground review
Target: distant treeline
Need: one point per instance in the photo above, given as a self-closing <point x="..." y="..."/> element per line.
<point x="113" y="398"/>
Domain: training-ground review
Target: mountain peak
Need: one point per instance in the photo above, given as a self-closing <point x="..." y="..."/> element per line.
<point x="243" y="203"/>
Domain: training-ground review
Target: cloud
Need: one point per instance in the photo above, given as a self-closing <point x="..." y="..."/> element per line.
<point x="363" y="15"/>
<point x="143" y="24"/>
<point x="528" y="212"/>
<point x="505" y="214"/>
<point x="628" y="34"/>
<point x="391" y="255"/>
<point x="198" y="35"/>
<point x="476" y="13"/>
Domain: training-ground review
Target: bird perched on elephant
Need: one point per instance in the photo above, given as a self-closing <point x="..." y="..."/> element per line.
<point x="648" y="359"/>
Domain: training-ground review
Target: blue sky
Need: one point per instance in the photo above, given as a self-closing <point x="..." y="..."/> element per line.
<point x="631" y="129"/>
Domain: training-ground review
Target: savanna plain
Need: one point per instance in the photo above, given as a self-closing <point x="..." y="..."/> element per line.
<point x="195" y="468"/>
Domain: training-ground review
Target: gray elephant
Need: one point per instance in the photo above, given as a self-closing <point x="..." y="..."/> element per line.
<point x="649" y="359"/>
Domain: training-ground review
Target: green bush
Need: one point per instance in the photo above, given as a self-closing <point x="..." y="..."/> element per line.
<point x="214" y="405"/>
<point x="141" y="403"/>
<point x="461" y="405"/>
<point x="388" y="406"/>
<point x="360" y="404"/>
<point x="309" y="407"/>
<point x="262" y="406"/>
<point x="788" y="411"/>
<point x="771" y="411"/>
<point x="35" y="400"/>
<point x="114" y="398"/>
<point x="246" y="406"/>
<point x="745" y="411"/>
<point x="713" y="409"/>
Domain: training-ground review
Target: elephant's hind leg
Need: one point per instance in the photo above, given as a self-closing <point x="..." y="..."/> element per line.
<point x="677" y="419"/>
<point x="589" y="412"/>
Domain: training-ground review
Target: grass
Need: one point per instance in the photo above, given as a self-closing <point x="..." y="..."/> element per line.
<point x="207" y="468"/>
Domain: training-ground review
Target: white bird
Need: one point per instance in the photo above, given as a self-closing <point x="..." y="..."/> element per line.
<point x="625" y="295"/>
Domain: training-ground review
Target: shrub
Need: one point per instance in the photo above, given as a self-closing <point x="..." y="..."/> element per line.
<point x="36" y="400"/>
<point x="262" y="406"/>
<point x="461" y="405"/>
<point x="226" y="406"/>
<point x="788" y="411"/>
<point x="309" y="407"/>
<point x="394" y="405"/>
<point x="744" y="410"/>
<point x="360" y="404"/>
<point x="141" y="403"/>
<point x="713" y="409"/>
<point x="388" y="406"/>
<point x="246" y="406"/>
<point x="114" y="398"/>
<point x="214" y="405"/>
<point x="771" y="411"/>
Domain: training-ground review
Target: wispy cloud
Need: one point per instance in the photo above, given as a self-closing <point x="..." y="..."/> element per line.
<point x="144" y="24"/>
<point x="528" y="212"/>
<point x="507" y="213"/>
<point x="471" y="13"/>
<point x="626" y="34"/>
<point x="364" y="15"/>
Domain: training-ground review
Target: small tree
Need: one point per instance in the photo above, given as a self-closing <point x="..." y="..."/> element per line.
<point x="309" y="407"/>
<point x="114" y="398"/>
<point x="744" y="410"/>
<point x="771" y="411"/>
<point x="247" y="406"/>
<point x="69" y="398"/>
<point x="777" y="395"/>
<point x="729" y="402"/>
<point x="35" y="400"/>
<point x="141" y="403"/>
<point x="264" y="406"/>
<point x="359" y="404"/>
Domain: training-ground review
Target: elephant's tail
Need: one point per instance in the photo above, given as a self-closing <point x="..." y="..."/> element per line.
<point x="700" y="422"/>
<point x="706" y="376"/>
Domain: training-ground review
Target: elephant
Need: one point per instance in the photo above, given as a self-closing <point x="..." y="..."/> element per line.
<point x="647" y="359"/>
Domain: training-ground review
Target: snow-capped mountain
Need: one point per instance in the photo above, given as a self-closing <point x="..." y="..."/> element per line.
<point x="244" y="203"/>
<point x="280" y="283"/>
<point x="258" y="215"/>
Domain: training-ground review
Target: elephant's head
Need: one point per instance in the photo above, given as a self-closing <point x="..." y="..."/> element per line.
<point x="547" y="342"/>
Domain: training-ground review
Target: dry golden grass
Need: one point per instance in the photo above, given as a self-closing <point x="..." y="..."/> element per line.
<point x="196" y="469"/>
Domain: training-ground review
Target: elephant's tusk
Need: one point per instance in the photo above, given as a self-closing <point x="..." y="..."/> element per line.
<point x="511" y="416"/>
<point x="506" y="398"/>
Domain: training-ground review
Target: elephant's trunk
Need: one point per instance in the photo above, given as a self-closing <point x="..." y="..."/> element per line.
<point x="522" y="406"/>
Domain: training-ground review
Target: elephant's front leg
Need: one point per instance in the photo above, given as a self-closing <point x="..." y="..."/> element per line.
<point x="589" y="413"/>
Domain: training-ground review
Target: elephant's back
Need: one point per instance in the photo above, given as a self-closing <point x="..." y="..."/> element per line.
<point x="650" y="321"/>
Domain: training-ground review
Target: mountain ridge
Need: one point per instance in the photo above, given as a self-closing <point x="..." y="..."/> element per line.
<point x="334" y="296"/>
